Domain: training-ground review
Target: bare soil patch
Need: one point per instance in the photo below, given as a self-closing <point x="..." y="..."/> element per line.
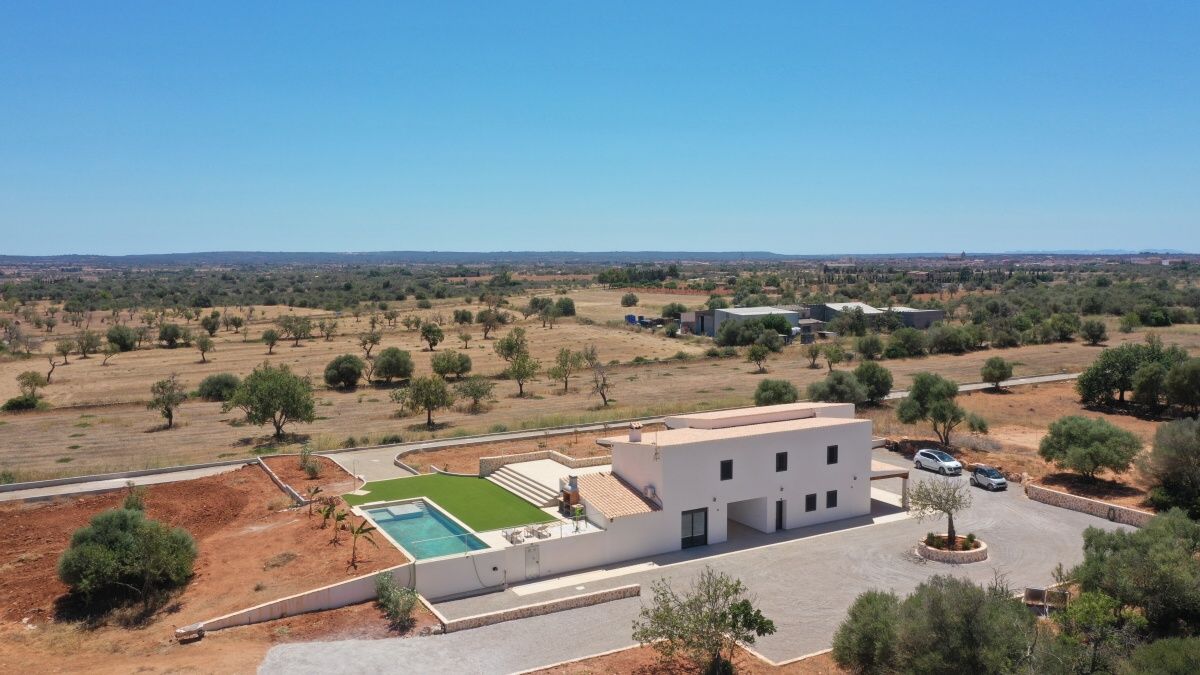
<point x="251" y="552"/>
<point x="333" y="479"/>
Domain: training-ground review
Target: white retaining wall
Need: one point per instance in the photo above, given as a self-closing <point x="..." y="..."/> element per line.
<point x="349" y="592"/>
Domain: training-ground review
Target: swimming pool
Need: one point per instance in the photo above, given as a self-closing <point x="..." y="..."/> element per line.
<point x="423" y="530"/>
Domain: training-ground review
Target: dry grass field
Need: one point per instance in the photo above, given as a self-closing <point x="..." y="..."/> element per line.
<point x="79" y="436"/>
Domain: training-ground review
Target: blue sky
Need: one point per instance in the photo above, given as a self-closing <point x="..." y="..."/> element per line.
<point x="796" y="127"/>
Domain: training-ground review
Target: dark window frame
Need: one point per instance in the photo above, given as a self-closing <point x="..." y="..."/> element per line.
<point x="810" y="503"/>
<point x="781" y="461"/>
<point x="727" y="469"/>
<point x="831" y="498"/>
<point x="831" y="454"/>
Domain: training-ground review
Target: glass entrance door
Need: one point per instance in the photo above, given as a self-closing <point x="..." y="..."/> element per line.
<point x="694" y="528"/>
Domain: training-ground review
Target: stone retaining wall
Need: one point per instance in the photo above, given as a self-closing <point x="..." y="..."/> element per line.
<point x="1095" y="507"/>
<point x="548" y="607"/>
<point x="954" y="557"/>
<point x="489" y="465"/>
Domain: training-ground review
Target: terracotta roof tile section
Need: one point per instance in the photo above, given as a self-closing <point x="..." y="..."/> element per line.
<point x="612" y="496"/>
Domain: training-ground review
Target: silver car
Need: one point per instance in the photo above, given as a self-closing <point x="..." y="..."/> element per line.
<point x="988" y="478"/>
<point x="936" y="460"/>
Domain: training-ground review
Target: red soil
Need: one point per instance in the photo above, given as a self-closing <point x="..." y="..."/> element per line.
<point x="253" y="549"/>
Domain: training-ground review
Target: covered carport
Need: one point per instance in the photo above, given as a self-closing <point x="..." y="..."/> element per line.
<point x="884" y="471"/>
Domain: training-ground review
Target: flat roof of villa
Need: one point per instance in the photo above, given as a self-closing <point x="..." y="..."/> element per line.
<point x="754" y="411"/>
<point x="686" y="435"/>
<point x="613" y="497"/>
<point x="843" y="306"/>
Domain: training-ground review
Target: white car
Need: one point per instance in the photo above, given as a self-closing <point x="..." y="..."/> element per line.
<point x="936" y="460"/>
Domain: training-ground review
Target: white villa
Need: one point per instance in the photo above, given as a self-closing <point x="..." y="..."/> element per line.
<point x="693" y="484"/>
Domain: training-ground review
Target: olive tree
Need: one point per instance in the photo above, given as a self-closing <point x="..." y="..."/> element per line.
<point x="270" y="338"/>
<point x="931" y="399"/>
<point x="204" y="344"/>
<point x="522" y="369"/>
<point x="996" y="370"/>
<point x="344" y="371"/>
<point x="428" y="393"/>
<point x="166" y="397"/>
<point x="838" y="387"/>
<point x="1172" y="467"/>
<point x="937" y="497"/>
<point x="1093" y="331"/>
<point x="393" y="363"/>
<point x="432" y="334"/>
<point x="566" y="364"/>
<point x="703" y="623"/>
<point x="758" y="354"/>
<point x="274" y="395"/>
<point x="477" y="389"/>
<point x="1088" y="446"/>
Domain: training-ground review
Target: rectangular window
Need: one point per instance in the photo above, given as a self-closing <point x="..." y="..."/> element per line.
<point x="810" y="502"/>
<point x="831" y="499"/>
<point x="781" y="461"/>
<point x="726" y="469"/>
<point x="831" y="454"/>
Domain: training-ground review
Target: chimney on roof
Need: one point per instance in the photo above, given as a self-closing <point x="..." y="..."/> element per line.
<point x="635" y="432"/>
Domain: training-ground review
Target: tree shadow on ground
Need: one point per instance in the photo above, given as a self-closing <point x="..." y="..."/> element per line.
<point x="126" y="610"/>
<point x="1100" y="488"/>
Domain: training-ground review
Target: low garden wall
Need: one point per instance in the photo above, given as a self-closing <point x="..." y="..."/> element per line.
<point x="548" y="607"/>
<point x="489" y="465"/>
<point x="287" y="489"/>
<point x="954" y="557"/>
<point x="1095" y="507"/>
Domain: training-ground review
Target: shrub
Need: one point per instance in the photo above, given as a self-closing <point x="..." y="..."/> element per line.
<point x="396" y="601"/>
<point x="1168" y="656"/>
<point x="123" y="337"/>
<point x="629" y="300"/>
<point x="1183" y="385"/>
<point x="121" y="555"/>
<point x="774" y="392"/>
<point x="1172" y="467"/>
<point x="904" y="343"/>
<point x="875" y="379"/>
<point x="219" y="387"/>
<point x="866" y="640"/>
<point x="870" y="346"/>
<point x="389" y="439"/>
<point x="344" y="371"/>
<point x="1093" y="331"/>
<point x="565" y="306"/>
<point x="838" y="387"/>
<point x="22" y="402"/>
<point x="393" y="363"/>
<point x="451" y="362"/>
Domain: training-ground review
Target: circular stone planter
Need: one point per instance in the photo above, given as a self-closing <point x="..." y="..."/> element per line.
<point x="955" y="557"/>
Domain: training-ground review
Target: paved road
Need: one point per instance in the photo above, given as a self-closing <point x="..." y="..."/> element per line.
<point x="114" y="483"/>
<point x="1015" y="382"/>
<point x="376" y="463"/>
<point x="804" y="581"/>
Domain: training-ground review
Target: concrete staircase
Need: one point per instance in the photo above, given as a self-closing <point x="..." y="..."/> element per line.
<point x="524" y="487"/>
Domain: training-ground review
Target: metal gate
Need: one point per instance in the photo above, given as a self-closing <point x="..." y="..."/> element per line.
<point x="533" y="561"/>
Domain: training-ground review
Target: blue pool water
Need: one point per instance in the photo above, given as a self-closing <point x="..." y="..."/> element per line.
<point x="423" y="530"/>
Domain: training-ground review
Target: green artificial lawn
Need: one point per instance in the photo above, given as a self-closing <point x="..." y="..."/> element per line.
<point x="479" y="503"/>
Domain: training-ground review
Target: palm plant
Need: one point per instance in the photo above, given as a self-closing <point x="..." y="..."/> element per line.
<point x="328" y="512"/>
<point x="339" y="521"/>
<point x="364" y="530"/>
<point x="311" y="493"/>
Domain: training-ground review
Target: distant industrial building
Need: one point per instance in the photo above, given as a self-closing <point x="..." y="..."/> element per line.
<point x="909" y="316"/>
<point x="708" y="322"/>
